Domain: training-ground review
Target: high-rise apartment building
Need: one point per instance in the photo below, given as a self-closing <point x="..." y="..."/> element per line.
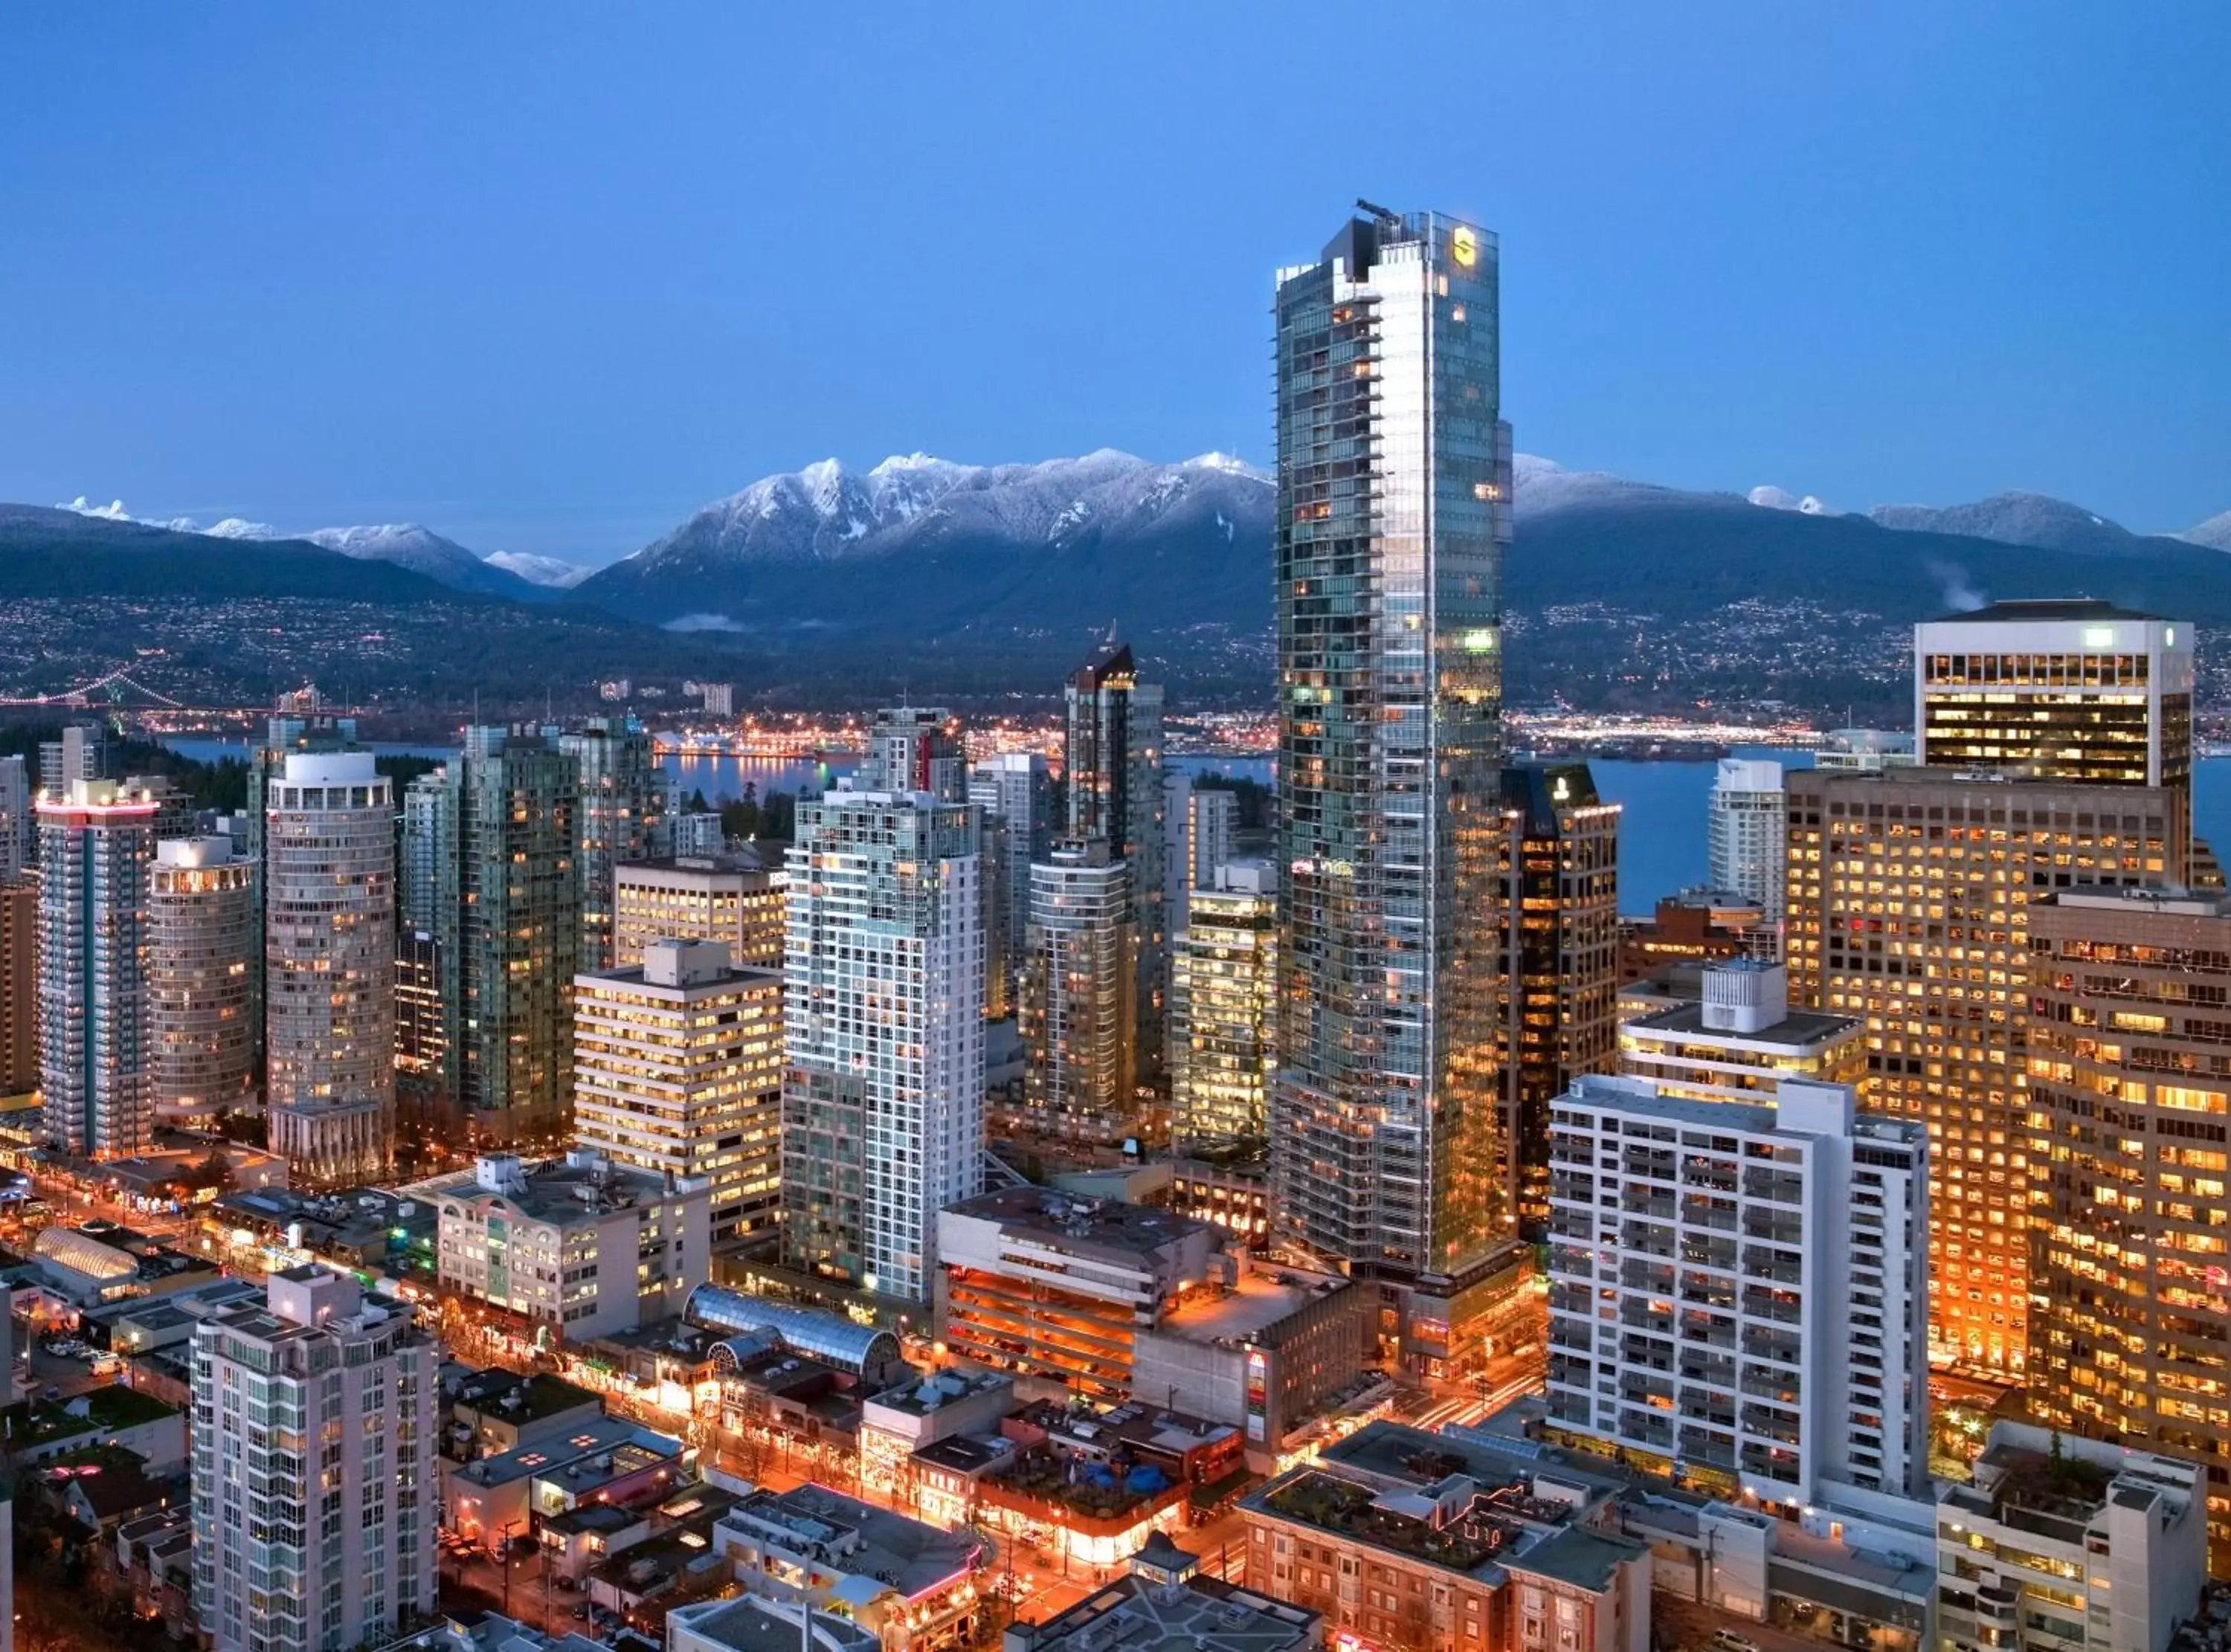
<point x="2130" y="1114"/>
<point x="1112" y="766"/>
<point x="677" y="1068"/>
<point x="1558" y="991"/>
<point x="1738" y="1293"/>
<point x="1077" y="1021"/>
<point x="1224" y="969"/>
<point x="201" y="1042"/>
<point x="699" y="836"/>
<point x="19" y="986"/>
<point x="1015" y="790"/>
<point x="314" y="1499"/>
<point x="283" y="736"/>
<point x="622" y="816"/>
<point x="329" y="966"/>
<point x="494" y="832"/>
<point x="726" y="898"/>
<point x="77" y="754"/>
<point x="915" y="748"/>
<point x="1744" y="823"/>
<point x="1909" y="892"/>
<point x="19" y="833"/>
<point x="1200" y="827"/>
<point x="1741" y="1041"/>
<point x="1393" y="485"/>
<point x="883" y="1105"/>
<point x="95" y="842"/>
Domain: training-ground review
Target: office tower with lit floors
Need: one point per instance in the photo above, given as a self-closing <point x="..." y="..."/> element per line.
<point x="1557" y="995"/>
<point x="1078" y="1020"/>
<point x="727" y="898"/>
<point x="622" y="815"/>
<point x="2129" y="1113"/>
<point x="1909" y="892"/>
<point x="202" y="1034"/>
<point x="1112" y="766"/>
<point x="883" y="1101"/>
<point x="329" y="967"/>
<point x="95" y="845"/>
<point x="677" y="1068"/>
<point x="1222" y="971"/>
<point x="1393" y="483"/>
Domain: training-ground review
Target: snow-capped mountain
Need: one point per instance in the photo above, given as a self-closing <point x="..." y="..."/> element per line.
<point x="2214" y="533"/>
<point x="1108" y="527"/>
<point x="546" y="571"/>
<point x="1780" y="499"/>
<point x="2014" y="518"/>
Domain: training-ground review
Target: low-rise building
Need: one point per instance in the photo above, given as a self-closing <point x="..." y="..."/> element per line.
<point x="1264" y="1354"/>
<point x="357" y="1227"/>
<point x="2067" y="1545"/>
<point x="901" y="1421"/>
<point x="113" y="1416"/>
<point x="610" y="1460"/>
<point x="490" y="1412"/>
<point x="1417" y="1542"/>
<point x="1055" y="1288"/>
<point x="102" y="1262"/>
<point x="1164" y="1604"/>
<point x="577" y="1244"/>
<point x="1227" y="1188"/>
<point x="754" y="1623"/>
<point x="911" y="1585"/>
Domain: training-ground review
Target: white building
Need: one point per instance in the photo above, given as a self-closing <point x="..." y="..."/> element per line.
<point x="1015" y="790"/>
<point x="1741" y="1041"/>
<point x="1738" y="1293"/>
<point x="1745" y="832"/>
<point x="750" y="1623"/>
<point x="329" y="965"/>
<point x="95" y="842"/>
<point x="1079" y="1016"/>
<point x="2067" y="1545"/>
<point x="201" y="944"/>
<point x="313" y="1492"/>
<point x="677" y="1070"/>
<point x="698" y="836"/>
<point x="720" y="699"/>
<point x="883" y="1106"/>
<point x="578" y="1244"/>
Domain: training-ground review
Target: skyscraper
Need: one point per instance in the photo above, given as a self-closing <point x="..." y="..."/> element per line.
<point x="329" y="965"/>
<point x="882" y="1103"/>
<point x="95" y="846"/>
<point x="1113" y="768"/>
<point x="1910" y="894"/>
<point x="283" y="735"/>
<point x="201" y="1002"/>
<point x="2130" y="1108"/>
<point x="1557" y="995"/>
<point x="76" y="755"/>
<point x="1078" y="1022"/>
<point x="1223" y="971"/>
<point x="1199" y="832"/>
<point x="315" y="1501"/>
<point x="677" y="1068"/>
<point x="18" y="830"/>
<point x="494" y="832"/>
<point x="622" y="816"/>
<point x="1017" y="788"/>
<point x="19" y="986"/>
<point x="1392" y="486"/>
<point x="915" y="748"/>
<point x="1743" y="832"/>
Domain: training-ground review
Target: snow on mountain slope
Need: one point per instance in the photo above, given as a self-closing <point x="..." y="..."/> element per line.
<point x="2017" y="518"/>
<point x="2214" y="533"/>
<point x="547" y="571"/>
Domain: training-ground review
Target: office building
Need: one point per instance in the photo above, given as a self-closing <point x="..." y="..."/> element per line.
<point x="1910" y="892"/>
<point x="1688" y="926"/>
<point x="2130" y="1108"/>
<point x="2061" y="1545"/>
<point x="95" y="842"/>
<point x="1738" y="1292"/>
<point x="1745" y="823"/>
<point x="1017" y="789"/>
<point x="422" y="1104"/>
<point x="729" y="899"/>
<point x="677" y="1070"/>
<point x="202" y="1037"/>
<point x="1384" y="1108"/>
<point x="1200" y="827"/>
<point x="498" y="825"/>
<point x="314" y="1505"/>
<point x="1077" y="1021"/>
<point x="19" y="835"/>
<point x="1112" y="766"/>
<point x="1055" y="1285"/>
<point x="915" y="748"/>
<point x="19" y="986"/>
<point x="1417" y="1541"/>
<point x="1557" y="990"/>
<point x="621" y="818"/>
<point x="580" y="1244"/>
<point x="1223" y="971"/>
<point x="329" y="966"/>
<point x="883" y="1105"/>
<point x="1741" y="1040"/>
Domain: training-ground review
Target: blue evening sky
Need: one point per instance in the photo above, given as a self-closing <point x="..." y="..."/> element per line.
<point x="546" y="277"/>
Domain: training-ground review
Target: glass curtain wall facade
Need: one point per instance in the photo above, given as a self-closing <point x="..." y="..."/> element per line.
<point x="1393" y="484"/>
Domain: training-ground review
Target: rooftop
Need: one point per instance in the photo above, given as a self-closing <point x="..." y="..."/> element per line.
<point x="2173" y="899"/>
<point x="581" y="1188"/>
<point x="1144" y="1614"/>
<point x="908" y="1555"/>
<point x="509" y="1398"/>
<point x="1081" y="1224"/>
<point x="630" y="1447"/>
<point x="747" y="1625"/>
<point x="1260" y="1298"/>
<point x="1800" y="1029"/>
<point x="2031" y="610"/>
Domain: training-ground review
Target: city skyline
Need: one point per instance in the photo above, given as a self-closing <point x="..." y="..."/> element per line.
<point x="1984" y="240"/>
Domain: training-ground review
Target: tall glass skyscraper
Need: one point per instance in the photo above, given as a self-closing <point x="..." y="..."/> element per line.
<point x="1394" y="506"/>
